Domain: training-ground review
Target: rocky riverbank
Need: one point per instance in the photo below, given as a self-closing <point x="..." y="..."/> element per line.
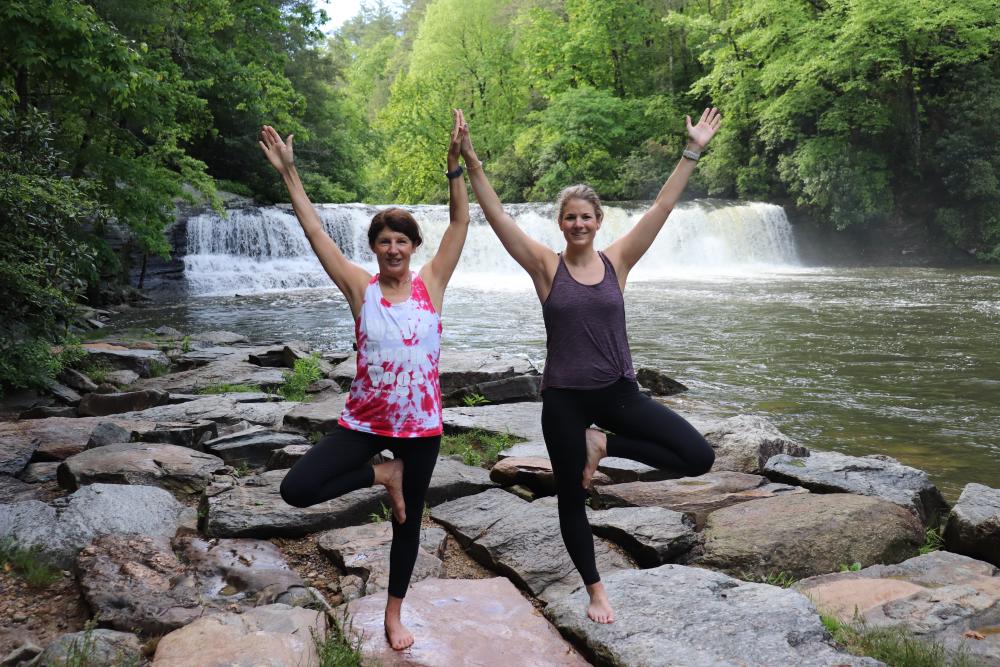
<point x="151" y="482"/>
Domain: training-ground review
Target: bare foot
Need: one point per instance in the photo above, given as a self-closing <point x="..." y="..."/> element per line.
<point x="390" y="475"/>
<point x="599" y="610"/>
<point x="597" y="449"/>
<point x="399" y="637"/>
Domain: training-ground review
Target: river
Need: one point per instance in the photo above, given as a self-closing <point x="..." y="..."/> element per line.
<point x="896" y="361"/>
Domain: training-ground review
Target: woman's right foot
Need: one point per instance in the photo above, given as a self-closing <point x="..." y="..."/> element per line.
<point x="597" y="449"/>
<point x="390" y="475"/>
<point x="599" y="610"/>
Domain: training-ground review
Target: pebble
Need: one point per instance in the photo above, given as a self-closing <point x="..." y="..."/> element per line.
<point x="19" y="617"/>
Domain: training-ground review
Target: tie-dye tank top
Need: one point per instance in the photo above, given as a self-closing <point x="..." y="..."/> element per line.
<point x="396" y="391"/>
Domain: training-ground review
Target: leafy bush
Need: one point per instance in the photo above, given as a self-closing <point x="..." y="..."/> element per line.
<point x="305" y="372"/>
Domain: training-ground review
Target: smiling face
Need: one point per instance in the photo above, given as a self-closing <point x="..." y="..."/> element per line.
<point x="579" y="222"/>
<point x="392" y="251"/>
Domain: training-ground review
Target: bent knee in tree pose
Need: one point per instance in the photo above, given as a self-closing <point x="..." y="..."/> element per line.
<point x="589" y="378"/>
<point x="394" y="401"/>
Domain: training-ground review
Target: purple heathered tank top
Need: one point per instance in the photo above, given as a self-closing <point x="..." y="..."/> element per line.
<point x="585" y="332"/>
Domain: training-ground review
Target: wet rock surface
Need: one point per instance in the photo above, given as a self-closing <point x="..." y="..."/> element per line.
<point x="973" y="526"/>
<point x="877" y="476"/>
<point x="464" y="622"/>
<point x="676" y="615"/>
<point x="521" y="540"/>
<point x="940" y="596"/>
<point x="805" y="535"/>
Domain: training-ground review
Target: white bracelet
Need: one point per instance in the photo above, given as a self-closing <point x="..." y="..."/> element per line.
<point x="691" y="155"/>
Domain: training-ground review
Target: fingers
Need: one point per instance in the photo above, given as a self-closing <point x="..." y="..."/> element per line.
<point x="687" y="122"/>
<point x="289" y="140"/>
<point x="704" y="115"/>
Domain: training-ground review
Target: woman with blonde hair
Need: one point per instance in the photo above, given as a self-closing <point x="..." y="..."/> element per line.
<point x="588" y="377"/>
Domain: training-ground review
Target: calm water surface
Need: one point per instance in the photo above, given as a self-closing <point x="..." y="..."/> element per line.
<point x="904" y="362"/>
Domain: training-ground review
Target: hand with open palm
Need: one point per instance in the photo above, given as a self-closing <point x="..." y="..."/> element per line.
<point x="706" y="128"/>
<point x="279" y="153"/>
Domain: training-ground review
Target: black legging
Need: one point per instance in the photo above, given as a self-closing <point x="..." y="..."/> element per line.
<point x="339" y="464"/>
<point x="642" y="430"/>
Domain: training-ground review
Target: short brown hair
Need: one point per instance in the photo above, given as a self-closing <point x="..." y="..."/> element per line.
<point x="398" y="220"/>
<point x="580" y="191"/>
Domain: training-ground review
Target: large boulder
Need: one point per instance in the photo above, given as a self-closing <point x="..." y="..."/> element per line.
<point x="61" y="529"/>
<point x="463" y="622"/>
<point x="808" y="534"/>
<point x="218" y="409"/>
<point x="252" y="447"/>
<point x="521" y="540"/>
<point x="877" y="476"/>
<point x="973" y="526"/>
<point x="523" y="420"/>
<point x="223" y="371"/>
<point x="943" y="597"/>
<point x="318" y="417"/>
<point x="364" y="552"/>
<point x="148" y="585"/>
<point x="276" y="634"/>
<point x="508" y="390"/>
<point x="99" y="405"/>
<point x="744" y="443"/>
<point x="180" y="470"/>
<point x="650" y="535"/>
<point x="676" y="615"/>
<point x="696" y="496"/>
<point x="145" y="363"/>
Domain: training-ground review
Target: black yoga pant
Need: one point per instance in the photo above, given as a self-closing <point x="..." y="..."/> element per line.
<point x="641" y="429"/>
<point x="340" y="463"/>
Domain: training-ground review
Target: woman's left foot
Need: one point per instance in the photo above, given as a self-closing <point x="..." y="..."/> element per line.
<point x="597" y="449"/>
<point x="599" y="610"/>
<point x="399" y="637"/>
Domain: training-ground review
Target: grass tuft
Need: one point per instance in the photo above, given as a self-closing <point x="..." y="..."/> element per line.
<point x="780" y="579"/>
<point x="477" y="447"/>
<point x="339" y="648"/>
<point x="28" y="564"/>
<point x="306" y="371"/>
<point x="228" y="389"/>
<point x="893" y="645"/>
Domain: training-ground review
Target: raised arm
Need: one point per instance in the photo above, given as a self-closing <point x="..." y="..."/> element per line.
<point x="539" y="261"/>
<point x="350" y="278"/>
<point x="437" y="272"/>
<point x="630" y="248"/>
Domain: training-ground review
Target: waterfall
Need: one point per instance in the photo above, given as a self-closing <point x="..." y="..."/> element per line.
<point x="263" y="249"/>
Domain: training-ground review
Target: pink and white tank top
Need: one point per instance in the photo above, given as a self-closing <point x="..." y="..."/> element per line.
<point x="396" y="390"/>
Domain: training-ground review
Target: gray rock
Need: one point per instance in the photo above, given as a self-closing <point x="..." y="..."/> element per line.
<point x="14" y="490"/>
<point x="524" y="450"/>
<point x="744" y="443"/>
<point x="122" y="378"/>
<point x="108" y="433"/>
<point x="67" y="525"/>
<point x="252" y="447"/>
<point x="180" y="470"/>
<point x="222" y="371"/>
<point x="219" y="409"/>
<point x="352" y="587"/>
<point x="364" y="551"/>
<point x="681" y="616"/>
<point x="319" y="416"/>
<point x="520" y="540"/>
<point x="877" y="476"/>
<point x="523" y="420"/>
<point x="279" y="356"/>
<point x="141" y="362"/>
<point x="697" y="496"/>
<point x="16" y="449"/>
<point x="168" y="332"/>
<point x="219" y="337"/>
<point x="206" y="355"/>
<point x="77" y="380"/>
<point x="46" y="411"/>
<point x="973" y="526"/>
<point x="507" y="390"/>
<point x="24" y="654"/>
<point x="808" y="534"/>
<point x="39" y="472"/>
<point x="651" y="535"/>
<point x="274" y="634"/>
<point x="148" y="584"/>
<point x="286" y="457"/>
<point x="658" y="382"/>
<point x="100" y="646"/>
<point x="942" y="597"/>
<point x="100" y="405"/>
<point x="454" y="479"/>
<point x="63" y="393"/>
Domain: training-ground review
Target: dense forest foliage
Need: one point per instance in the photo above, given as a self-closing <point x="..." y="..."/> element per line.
<point x="857" y="112"/>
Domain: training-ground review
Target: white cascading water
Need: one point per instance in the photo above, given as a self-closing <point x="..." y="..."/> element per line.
<point x="263" y="249"/>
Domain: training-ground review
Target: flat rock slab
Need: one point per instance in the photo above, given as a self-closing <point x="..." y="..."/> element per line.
<point x="674" y="616"/>
<point x="364" y="552"/>
<point x="523" y="420"/>
<point x="483" y="622"/>
<point x="286" y="457"/>
<point x="140" y="362"/>
<point x="810" y="534"/>
<point x="14" y="490"/>
<point x="320" y="416"/>
<point x="973" y="526"/>
<point x="180" y="470"/>
<point x="521" y="540"/>
<point x="67" y="525"/>
<point x="651" y="535"/>
<point x="219" y="337"/>
<point x="149" y="585"/>
<point x="252" y="447"/>
<point x="99" y="405"/>
<point x="938" y="596"/>
<point x="877" y="476"/>
<point x="744" y="443"/>
<point x="515" y="389"/>
<point x="51" y="439"/>
<point x="223" y="371"/>
<point x="696" y="496"/>
<point x="218" y="409"/>
<point x="275" y="634"/>
<point x="252" y="507"/>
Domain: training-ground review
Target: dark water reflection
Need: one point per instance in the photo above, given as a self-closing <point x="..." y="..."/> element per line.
<point x="904" y="362"/>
